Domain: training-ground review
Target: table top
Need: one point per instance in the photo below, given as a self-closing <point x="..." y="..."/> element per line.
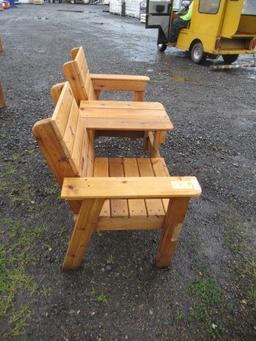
<point x="122" y="115"/>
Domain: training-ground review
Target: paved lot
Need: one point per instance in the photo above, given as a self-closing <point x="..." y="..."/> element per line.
<point x="209" y="291"/>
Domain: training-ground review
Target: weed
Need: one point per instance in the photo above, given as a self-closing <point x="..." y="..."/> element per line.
<point x="209" y="297"/>
<point x="179" y="316"/>
<point x="99" y="297"/>
<point x="110" y="260"/>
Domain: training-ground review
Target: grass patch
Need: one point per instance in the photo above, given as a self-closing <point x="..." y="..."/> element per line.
<point x="208" y="297"/>
<point x="99" y="297"/>
<point x="16" y="286"/>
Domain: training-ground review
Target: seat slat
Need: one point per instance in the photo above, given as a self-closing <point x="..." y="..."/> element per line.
<point x="121" y="105"/>
<point x="136" y="206"/>
<point x="118" y="207"/>
<point x="101" y="170"/>
<point x="154" y="206"/>
<point x="160" y="169"/>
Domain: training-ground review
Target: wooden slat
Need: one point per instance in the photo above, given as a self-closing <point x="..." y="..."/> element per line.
<point x="87" y="155"/>
<point x="160" y="169"/>
<point x="136" y="206"/>
<point x="130" y="223"/>
<point x="70" y="131"/>
<point x="101" y="170"/>
<point x="62" y="110"/>
<point x="118" y="207"/>
<point x="71" y="74"/>
<point x="91" y="153"/>
<point x="78" y="152"/>
<point x="154" y="206"/>
<point x="81" y="59"/>
<point x="73" y="53"/>
<point x="84" y="227"/>
<point x="119" y="82"/>
<point x="130" y="188"/>
<point x="121" y="105"/>
<point x="116" y="119"/>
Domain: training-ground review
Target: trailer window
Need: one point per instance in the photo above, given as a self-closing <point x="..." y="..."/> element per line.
<point x="249" y="7"/>
<point x="209" y="6"/>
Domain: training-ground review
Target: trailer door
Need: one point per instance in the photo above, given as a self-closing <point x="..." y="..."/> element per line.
<point x="158" y="16"/>
<point x="232" y="16"/>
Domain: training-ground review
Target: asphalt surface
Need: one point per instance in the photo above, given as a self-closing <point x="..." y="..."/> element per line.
<point x="209" y="290"/>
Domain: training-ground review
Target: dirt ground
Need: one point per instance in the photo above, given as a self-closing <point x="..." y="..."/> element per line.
<point x="209" y="290"/>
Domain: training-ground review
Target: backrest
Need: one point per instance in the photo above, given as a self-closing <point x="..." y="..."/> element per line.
<point x="77" y="74"/>
<point x="67" y="146"/>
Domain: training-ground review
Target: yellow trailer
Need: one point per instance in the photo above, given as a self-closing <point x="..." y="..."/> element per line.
<point x="217" y="27"/>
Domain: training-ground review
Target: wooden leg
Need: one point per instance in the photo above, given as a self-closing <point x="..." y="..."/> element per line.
<point x="1" y="45"/>
<point x="162" y="137"/>
<point x="171" y="230"/>
<point x="97" y="94"/>
<point x="83" y="230"/>
<point x="146" y="146"/>
<point x="138" y="96"/>
<point x="2" y="100"/>
<point x="154" y="143"/>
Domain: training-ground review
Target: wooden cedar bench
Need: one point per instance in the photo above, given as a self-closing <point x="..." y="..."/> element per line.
<point x="88" y="87"/>
<point x="110" y="193"/>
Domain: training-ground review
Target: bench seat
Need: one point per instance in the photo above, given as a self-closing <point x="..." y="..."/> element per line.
<point x="135" y="209"/>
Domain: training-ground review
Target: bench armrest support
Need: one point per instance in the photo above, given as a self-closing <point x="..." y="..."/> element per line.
<point x="129" y="188"/>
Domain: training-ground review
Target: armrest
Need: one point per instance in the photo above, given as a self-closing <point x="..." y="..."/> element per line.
<point x="119" y="82"/>
<point x="129" y="188"/>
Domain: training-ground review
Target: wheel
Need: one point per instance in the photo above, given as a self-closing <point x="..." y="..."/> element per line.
<point x="161" y="47"/>
<point x="197" y="54"/>
<point x="229" y="58"/>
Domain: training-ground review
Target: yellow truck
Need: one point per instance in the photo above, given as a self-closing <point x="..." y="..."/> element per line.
<point x="217" y="27"/>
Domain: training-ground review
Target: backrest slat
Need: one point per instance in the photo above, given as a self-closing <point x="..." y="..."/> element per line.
<point x="77" y="74"/>
<point x="62" y="109"/>
<point x="70" y="131"/>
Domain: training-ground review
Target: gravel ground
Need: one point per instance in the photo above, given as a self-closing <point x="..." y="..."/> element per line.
<point x="209" y="290"/>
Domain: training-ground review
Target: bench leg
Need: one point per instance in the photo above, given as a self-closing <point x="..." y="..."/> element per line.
<point x="138" y="96"/>
<point x="154" y="141"/>
<point x="97" y="94"/>
<point x="171" y="230"/>
<point x="1" y="45"/>
<point x="2" y="100"/>
<point x="83" y="230"/>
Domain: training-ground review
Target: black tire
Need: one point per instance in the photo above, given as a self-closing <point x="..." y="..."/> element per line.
<point x="229" y="58"/>
<point x="197" y="54"/>
<point x="161" y="47"/>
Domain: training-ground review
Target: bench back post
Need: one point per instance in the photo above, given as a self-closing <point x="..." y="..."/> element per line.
<point x="77" y="74"/>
